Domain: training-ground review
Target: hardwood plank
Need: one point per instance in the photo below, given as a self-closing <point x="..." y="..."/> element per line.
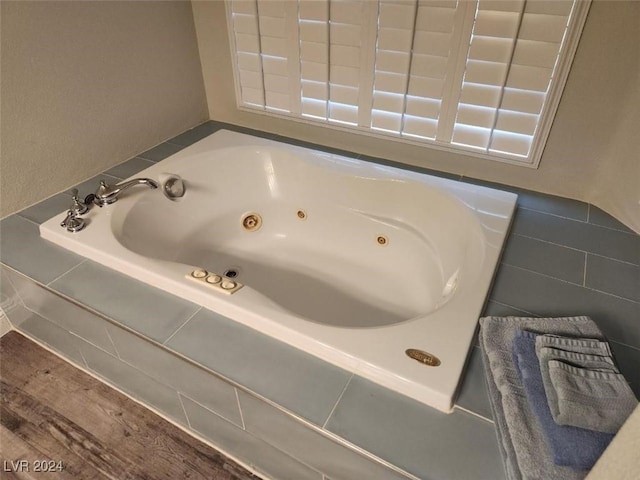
<point x="58" y="410"/>
<point x="15" y="449"/>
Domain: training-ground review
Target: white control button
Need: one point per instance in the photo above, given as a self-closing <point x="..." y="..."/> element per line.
<point x="228" y="284"/>
<point x="200" y="273"/>
<point x="213" y="278"/>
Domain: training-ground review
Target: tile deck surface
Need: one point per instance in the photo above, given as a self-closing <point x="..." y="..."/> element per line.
<point x="562" y="258"/>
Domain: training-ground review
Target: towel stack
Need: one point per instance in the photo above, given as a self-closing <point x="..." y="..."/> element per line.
<point x="556" y="394"/>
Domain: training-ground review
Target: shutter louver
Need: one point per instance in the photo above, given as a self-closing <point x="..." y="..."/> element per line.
<point x="474" y="75"/>
<point x="345" y="34"/>
<point x="512" y="55"/>
<point x="314" y="57"/>
<point x="271" y="21"/>
<point x="248" y="59"/>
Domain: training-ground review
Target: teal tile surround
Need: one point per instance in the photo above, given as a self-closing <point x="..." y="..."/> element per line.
<point x="545" y="229"/>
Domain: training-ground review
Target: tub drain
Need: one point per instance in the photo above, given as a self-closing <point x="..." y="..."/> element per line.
<point x="251" y="222"/>
<point x="231" y="273"/>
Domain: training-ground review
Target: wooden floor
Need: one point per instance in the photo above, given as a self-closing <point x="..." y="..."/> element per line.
<point x="50" y="411"/>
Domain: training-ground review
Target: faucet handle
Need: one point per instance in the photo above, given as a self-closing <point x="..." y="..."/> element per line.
<point x="78" y="207"/>
<point x="72" y="223"/>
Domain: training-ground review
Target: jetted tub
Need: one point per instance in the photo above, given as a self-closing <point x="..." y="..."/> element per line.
<point x="378" y="270"/>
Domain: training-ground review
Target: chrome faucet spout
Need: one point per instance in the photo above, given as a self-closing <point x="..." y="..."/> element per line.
<point x="107" y="194"/>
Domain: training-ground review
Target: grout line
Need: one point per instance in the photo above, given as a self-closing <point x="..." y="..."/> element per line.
<point x="570" y="283"/>
<point x="586" y="222"/>
<point x="584" y="273"/>
<point x="324" y="425"/>
<point x="513" y="307"/>
<point x="184" y="410"/>
<point x="568" y="247"/>
<point x="175" y="144"/>
<point x="112" y="343"/>
<point x="475" y="414"/>
<point x="634" y="347"/>
<point x="235" y="390"/>
<point x="588" y="213"/>
<point x="180" y="327"/>
<point x="62" y="275"/>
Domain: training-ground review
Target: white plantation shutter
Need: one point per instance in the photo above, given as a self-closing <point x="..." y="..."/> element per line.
<point x="479" y="76"/>
<point x="513" y="50"/>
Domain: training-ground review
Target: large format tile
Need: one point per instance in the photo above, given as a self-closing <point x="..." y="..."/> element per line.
<point x="145" y="309"/>
<point x="602" y="218"/>
<point x="129" y="168"/>
<point x="201" y="386"/>
<point x="544" y="257"/>
<point x="412" y="168"/>
<point x="10" y="302"/>
<point x="52" y="335"/>
<point x="540" y="202"/>
<point x="160" y="152"/>
<point x="473" y="395"/>
<point x="22" y="248"/>
<point x="134" y="382"/>
<point x="61" y="311"/>
<point x="46" y="209"/>
<point x="311" y="447"/>
<point x="423" y="441"/>
<point x="195" y="134"/>
<point x="242" y="445"/>
<point x="294" y="379"/>
<point x="612" y="276"/>
<point x="618" y="318"/>
<point x="628" y="360"/>
<point x="579" y="235"/>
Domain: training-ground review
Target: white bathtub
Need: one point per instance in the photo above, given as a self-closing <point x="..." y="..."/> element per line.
<point x="353" y="262"/>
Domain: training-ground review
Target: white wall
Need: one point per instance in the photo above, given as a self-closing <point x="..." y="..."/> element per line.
<point x="591" y="155"/>
<point x="87" y="85"/>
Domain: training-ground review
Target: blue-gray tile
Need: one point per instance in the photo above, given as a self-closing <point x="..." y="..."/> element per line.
<point x="195" y="134"/>
<point x="242" y="445"/>
<point x="129" y="168"/>
<point x="237" y="128"/>
<point x="134" y="382"/>
<point x="412" y="168"/>
<point x="145" y="309"/>
<point x="602" y="218"/>
<point x="155" y="361"/>
<point x="563" y="207"/>
<point x="10" y="302"/>
<point x="541" y="202"/>
<point x="612" y="276"/>
<point x="46" y="209"/>
<point x="544" y="257"/>
<point x="22" y="248"/>
<point x="473" y="394"/>
<point x="52" y="335"/>
<point x="628" y="360"/>
<point x="314" y="146"/>
<point x="91" y="185"/>
<point x="618" y="318"/>
<point x="423" y="441"/>
<point x="579" y="235"/>
<point x="61" y="311"/>
<point x="309" y="446"/>
<point x="160" y="152"/>
<point x="294" y="379"/>
<point x="497" y="309"/>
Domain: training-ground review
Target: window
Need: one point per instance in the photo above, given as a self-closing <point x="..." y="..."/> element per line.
<point x="483" y="77"/>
